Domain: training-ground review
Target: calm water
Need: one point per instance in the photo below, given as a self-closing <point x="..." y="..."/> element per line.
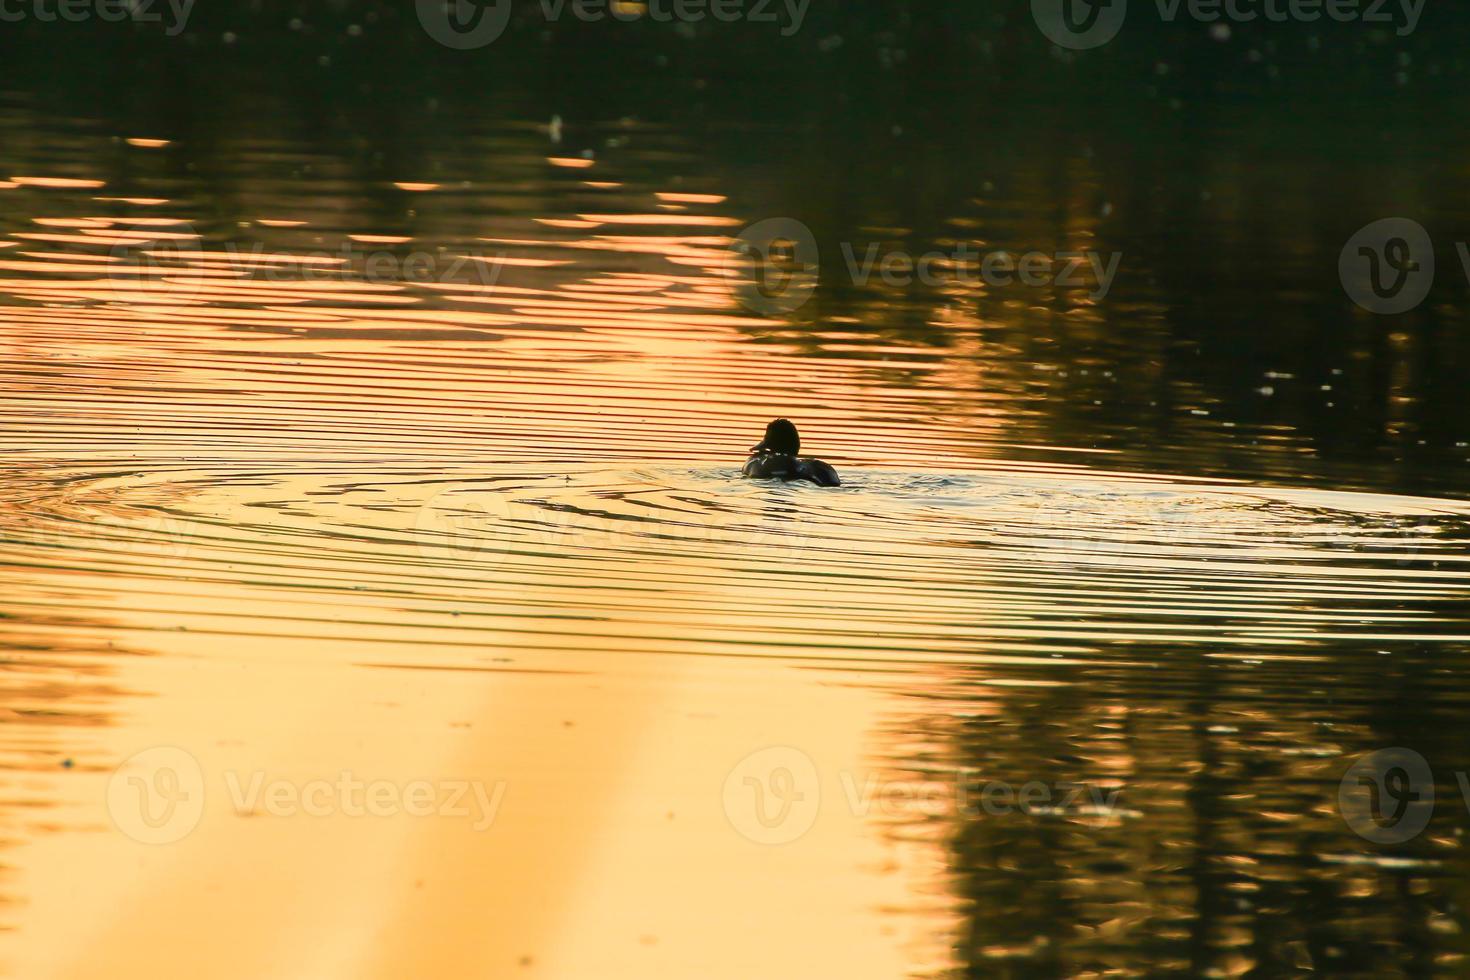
<point x="374" y="435"/>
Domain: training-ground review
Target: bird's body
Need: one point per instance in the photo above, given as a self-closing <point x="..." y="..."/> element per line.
<point x="775" y="458"/>
<point x="768" y="466"/>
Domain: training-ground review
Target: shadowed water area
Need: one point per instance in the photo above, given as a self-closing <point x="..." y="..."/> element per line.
<point x="365" y="420"/>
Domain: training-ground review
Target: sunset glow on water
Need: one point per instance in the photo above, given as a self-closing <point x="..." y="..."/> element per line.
<point x="382" y="597"/>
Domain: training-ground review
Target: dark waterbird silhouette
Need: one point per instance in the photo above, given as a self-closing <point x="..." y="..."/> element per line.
<point x="774" y="458"/>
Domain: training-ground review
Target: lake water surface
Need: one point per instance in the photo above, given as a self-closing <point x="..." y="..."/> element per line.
<point x="382" y="490"/>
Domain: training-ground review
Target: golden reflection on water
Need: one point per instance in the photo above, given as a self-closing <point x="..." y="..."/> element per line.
<point x="472" y="517"/>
